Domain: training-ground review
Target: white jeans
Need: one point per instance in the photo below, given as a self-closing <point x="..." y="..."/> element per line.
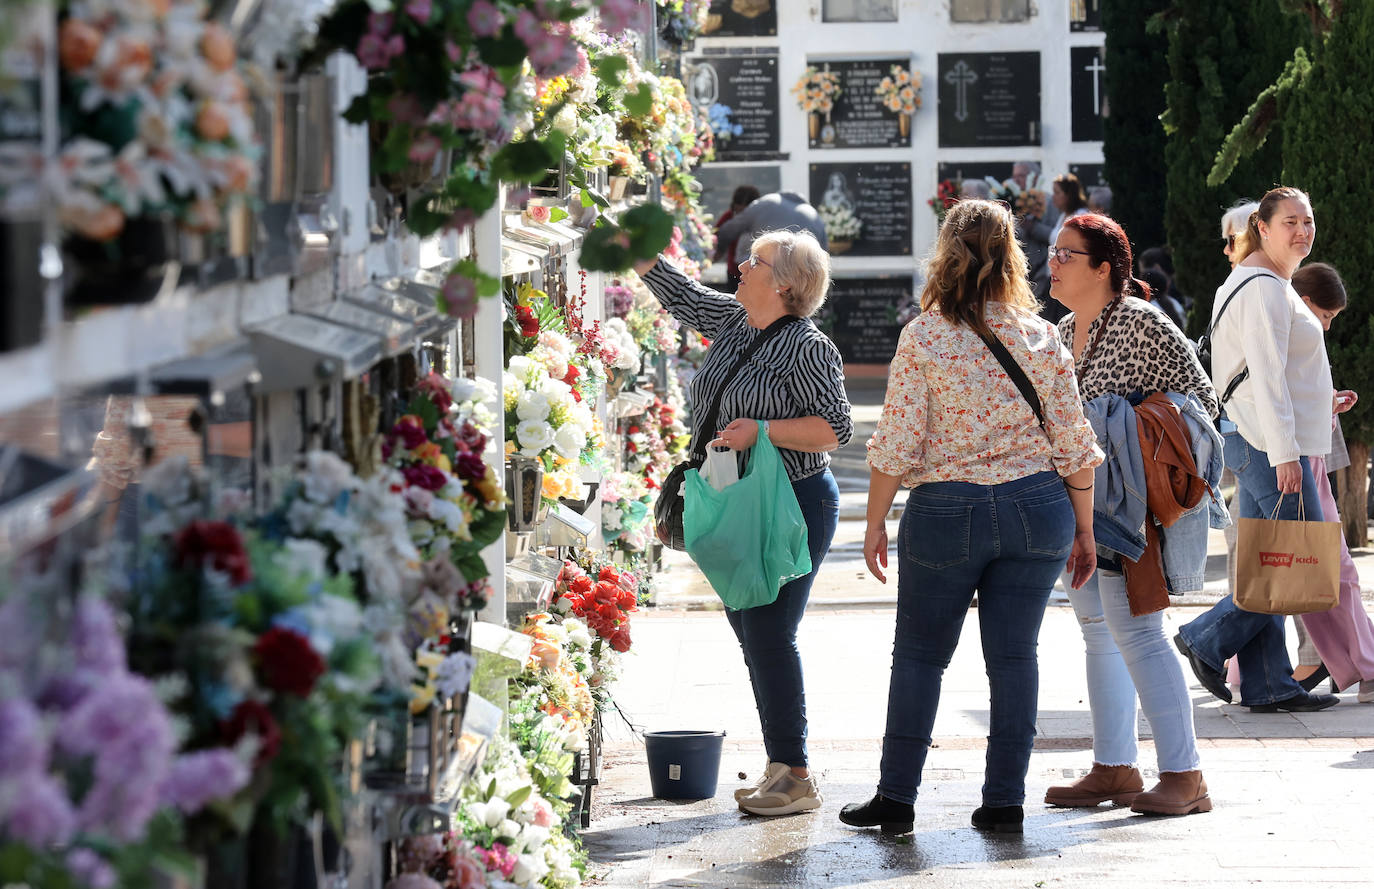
<point x="1129" y="656"/>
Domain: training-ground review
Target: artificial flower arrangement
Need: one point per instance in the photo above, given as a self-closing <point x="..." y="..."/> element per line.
<point x="682" y="21"/>
<point x="453" y="498"/>
<point x="627" y="507"/>
<point x="653" y="329"/>
<point x="718" y="119"/>
<point x="94" y="781"/>
<point x="620" y="299"/>
<point x="817" y="90"/>
<point x="269" y="647"/>
<point x="946" y="196"/>
<point x="156" y="118"/>
<point x="900" y="90"/>
<point x="556" y="676"/>
<point x="840" y="222"/>
<point x="1027" y="201"/>
<point x="604" y="603"/>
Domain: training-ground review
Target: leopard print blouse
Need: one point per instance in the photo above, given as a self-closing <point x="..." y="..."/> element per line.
<point x="1141" y="351"/>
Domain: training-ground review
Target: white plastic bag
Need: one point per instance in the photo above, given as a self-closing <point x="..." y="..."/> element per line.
<point x="720" y="470"/>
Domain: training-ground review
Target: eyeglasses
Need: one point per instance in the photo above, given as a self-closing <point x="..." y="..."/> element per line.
<point x="755" y="262"/>
<point x="1065" y="254"/>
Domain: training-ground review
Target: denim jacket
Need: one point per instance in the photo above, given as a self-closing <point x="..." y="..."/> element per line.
<point x="1119" y="481"/>
<point x="1183" y="544"/>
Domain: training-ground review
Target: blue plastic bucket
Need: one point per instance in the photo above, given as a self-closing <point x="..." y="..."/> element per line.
<point x="683" y="764"/>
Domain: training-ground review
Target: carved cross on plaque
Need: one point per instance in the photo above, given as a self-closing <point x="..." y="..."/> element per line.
<point x="1096" y="68"/>
<point x="961" y="75"/>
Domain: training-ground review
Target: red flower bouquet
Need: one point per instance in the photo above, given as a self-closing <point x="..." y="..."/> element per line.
<point x="287" y="663"/>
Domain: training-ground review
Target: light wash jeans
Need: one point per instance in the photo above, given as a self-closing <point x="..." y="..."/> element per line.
<point x="1129" y="656"/>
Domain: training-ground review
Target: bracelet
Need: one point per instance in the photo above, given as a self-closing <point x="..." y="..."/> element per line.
<point x="1087" y="487"/>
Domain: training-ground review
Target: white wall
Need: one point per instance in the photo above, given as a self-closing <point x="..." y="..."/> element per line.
<point x="923" y="30"/>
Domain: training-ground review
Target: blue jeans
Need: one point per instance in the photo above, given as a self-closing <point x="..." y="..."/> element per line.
<point x="1256" y="640"/>
<point x="768" y="634"/>
<point x="1127" y="655"/>
<point x="1009" y="542"/>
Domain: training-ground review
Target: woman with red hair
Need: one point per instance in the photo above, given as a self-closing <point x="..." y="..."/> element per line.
<point x="1125" y="346"/>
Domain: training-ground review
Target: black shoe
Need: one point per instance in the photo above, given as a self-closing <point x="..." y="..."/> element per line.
<point x="998" y="819"/>
<point x="1316" y="678"/>
<point x="1212" y="680"/>
<point x="893" y="817"/>
<point x="1299" y="703"/>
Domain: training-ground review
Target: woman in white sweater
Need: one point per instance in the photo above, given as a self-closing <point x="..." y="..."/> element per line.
<point x="1269" y="364"/>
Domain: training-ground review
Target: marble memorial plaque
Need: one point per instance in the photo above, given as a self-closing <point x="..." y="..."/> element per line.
<point x="988" y="99"/>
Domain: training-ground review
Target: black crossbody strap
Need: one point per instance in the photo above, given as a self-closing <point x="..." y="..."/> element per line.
<point x="1018" y="376"/>
<point x="708" y="419"/>
<point x="1244" y="371"/>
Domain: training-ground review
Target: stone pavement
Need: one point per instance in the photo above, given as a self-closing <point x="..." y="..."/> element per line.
<point x="1292" y="791"/>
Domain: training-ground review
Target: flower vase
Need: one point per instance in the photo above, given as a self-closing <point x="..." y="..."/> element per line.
<point x="618" y="186"/>
<point x="813" y="126"/>
<point x="524" y="487"/>
<point x="904" y="124"/>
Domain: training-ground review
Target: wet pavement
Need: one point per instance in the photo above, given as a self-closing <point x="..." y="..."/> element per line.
<point x="1292" y="792"/>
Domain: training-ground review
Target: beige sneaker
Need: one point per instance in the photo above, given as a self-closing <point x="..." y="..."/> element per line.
<point x="786" y="794"/>
<point x="769" y="773"/>
<point x="1366" y="694"/>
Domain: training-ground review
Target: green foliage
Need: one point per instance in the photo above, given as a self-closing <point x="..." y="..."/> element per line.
<point x="1327" y="151"/>
<point x="1250" y="134"/>
<point x="641" y="233"/>
<point x="1132" y="138"/>
<point x="1221" y="56"/>
<point x="640" y="102"/>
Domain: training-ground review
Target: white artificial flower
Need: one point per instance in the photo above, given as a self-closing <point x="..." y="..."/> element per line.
<point x="451" y="515"/>
<point x="611" y="516"/>
<point x="509" y="829"/>
<point x="522" y="368"/>
<point x="303" y="557"/>
<point x="534" y="436"/>
<point x="569" y="440"/>
<point x="532" y="405"/>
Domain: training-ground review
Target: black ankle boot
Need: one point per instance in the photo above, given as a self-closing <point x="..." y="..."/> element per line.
<point x="893" y="817"/>
<point x="998" y="819"/>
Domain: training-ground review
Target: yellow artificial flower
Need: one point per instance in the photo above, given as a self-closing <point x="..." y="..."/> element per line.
<point x="421" y="696"/>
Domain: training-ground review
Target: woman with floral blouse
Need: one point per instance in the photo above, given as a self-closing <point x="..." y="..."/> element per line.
<point x="1000" y="503"/>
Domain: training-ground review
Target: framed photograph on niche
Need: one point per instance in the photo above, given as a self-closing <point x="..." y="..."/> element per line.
<point x="858" y="10"/>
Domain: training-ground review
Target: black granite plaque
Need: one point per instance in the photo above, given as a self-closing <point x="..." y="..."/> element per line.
<point x="1089" y="175"/>
<point x="1085" y="15"/>
<point x="864" y="316"/>
<point x="719" y="181"/>
<point x="958" y="171"/>
<point x="742" y="18"/>
<point x="987" y="99"/>
<point x="858" y="10"/>
<point x="878" y="194"/>
<point x="860" y="119"/>
<point x="1087" y="92"/>
<point x="748" y="86"/>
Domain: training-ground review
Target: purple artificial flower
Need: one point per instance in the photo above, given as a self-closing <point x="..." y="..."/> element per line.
<point x="125" y="728"/>
<point x="379" y="23"/>
<point x="197" y="778"/>
<point x="485" y="19"/>
<point x="372" y="52"/>
<point x="411" y="433"/>
<point x="99" y="647"/>
<point x="420" y="10"/>
<point x="90" y="868"/>
<point x="23" y="743"/>
<point x="39" y="812"/>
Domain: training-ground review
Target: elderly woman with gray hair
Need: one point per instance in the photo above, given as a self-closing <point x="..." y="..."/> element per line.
<point x="794" y="383"/>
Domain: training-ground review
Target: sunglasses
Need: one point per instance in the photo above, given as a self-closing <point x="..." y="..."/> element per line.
<point x="1230" y="241"/>
<point x="1065" y="254"/>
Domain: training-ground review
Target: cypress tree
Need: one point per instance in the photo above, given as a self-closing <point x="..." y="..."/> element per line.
<point x="1221" y="56"/>
<point x="1328" y="152"/>
<point x="1132" y="138"/>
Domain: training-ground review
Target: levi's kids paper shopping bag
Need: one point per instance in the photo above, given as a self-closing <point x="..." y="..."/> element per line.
<point x="1287" y="567"/>
<point x="749" y="537"/>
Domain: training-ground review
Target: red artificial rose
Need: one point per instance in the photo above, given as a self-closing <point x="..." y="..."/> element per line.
<point x="620" y="640"/>
<point x="287" y="663"/>
<point x="435" y="388"/>
<point x="650" y="483"/>
<point x="253" y="718"/>
<point x="573" y="373"/>
<point x="421" y="475"/>
<point x="609" y="611"/>
<point x="580" y="584"/>
<point x="608" y="573"/>
<point x="214" y="544"/>
<point x="529" y="324"/>
<point x="633" y="430"/>
<point x="412" y="434"/>
<point x="607" y="592"/>
<point x="627" y="600"/>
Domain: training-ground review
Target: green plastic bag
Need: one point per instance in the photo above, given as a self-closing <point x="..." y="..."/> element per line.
<point x="750" y="538"/>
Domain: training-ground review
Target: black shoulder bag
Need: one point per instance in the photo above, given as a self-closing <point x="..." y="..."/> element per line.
<point x="668" y="507"/>
<point x="1018" y="376"/>
<point x="1204" y="344"/>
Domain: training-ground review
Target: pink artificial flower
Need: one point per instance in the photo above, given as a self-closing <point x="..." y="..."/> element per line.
<point x="583" y="66"/>
<point x="454" y="51"/>
<point x="420" y="10"/>
<point x="379" y="23"/>
<point x="395" y="46"/>
<point x="483" y="79"/>
<point x="460" y="293"/>
<point x="404" y="108"/>
<point x="372" y="53"/>
<point x="618" y="16"/>
<point x="418" y="500"/>
<point x="543" y="813"/>
<point x="424" y="148"/>
<point x="485" y="19"/>
<point x="467" y="874"/>
<point x="462" y="219"/>
<point x="539" y="213"/>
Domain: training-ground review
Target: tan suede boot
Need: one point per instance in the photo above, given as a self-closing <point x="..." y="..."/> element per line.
<point x="1120" y="784"/>
<point x="1177" y="793"/>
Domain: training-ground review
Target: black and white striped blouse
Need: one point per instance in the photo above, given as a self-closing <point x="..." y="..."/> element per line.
<point x="798" y="373"/>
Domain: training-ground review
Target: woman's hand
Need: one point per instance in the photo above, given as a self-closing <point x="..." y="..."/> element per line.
<point x="875" y="551"/>
<point x="1289" y="477"/>
<point x="738" y="436"/>
<point x="1345" y="399"/>
<point x="1082" y="558"/>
